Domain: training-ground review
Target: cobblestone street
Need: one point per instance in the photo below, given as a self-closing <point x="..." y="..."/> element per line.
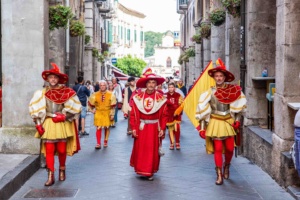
<point x="184" y="174"/>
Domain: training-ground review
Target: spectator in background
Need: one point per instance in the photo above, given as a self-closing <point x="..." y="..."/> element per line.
<point x="83" y="93"/>
<point x="191" y="86"/>
<point x="97" y="88"/>
<point x="181" y="86"/>
<point x="126" y="108"/>
<point x="90" y="87"/>
<point x="118" y="94"/>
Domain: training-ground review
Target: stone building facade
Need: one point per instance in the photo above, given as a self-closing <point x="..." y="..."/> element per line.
<point x="28" y="47"/>
<point x="265" y="35"/>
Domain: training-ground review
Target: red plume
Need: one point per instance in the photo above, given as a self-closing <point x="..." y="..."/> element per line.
<point x="220" y="63"/>
<point x="55" y="67"/>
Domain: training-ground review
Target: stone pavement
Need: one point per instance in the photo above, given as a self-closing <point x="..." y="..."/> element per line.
<point x="184" y="174"/>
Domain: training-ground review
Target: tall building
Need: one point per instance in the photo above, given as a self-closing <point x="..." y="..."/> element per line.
<point x="253" y="36"/>
<point x="126" y="32"/>
<point x="164" y="60"/>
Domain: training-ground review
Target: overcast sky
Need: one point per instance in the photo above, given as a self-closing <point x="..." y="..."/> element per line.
<point x="161" y="14"/>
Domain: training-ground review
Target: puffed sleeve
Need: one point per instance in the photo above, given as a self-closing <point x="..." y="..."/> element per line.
<point x="37" y="106"/>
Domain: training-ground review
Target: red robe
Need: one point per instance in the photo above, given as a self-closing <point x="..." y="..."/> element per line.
<point x="145" y="157"/>
<point x="173" y="104"/>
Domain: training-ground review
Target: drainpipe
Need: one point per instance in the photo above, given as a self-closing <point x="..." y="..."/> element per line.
<point x="68" y="39"/>
<point x="243" y="66"/>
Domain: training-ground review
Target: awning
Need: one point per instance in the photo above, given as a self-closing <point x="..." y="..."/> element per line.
<point x="119" y="75"/>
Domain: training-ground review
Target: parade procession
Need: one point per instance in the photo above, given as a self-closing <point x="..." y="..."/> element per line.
<point x="149" y="100"/>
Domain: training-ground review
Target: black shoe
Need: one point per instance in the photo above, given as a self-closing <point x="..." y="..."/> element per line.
<point x="85" y="133"/>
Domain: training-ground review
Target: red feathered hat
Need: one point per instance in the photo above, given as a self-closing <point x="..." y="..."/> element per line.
<point x="147" y="76"/>
<point x="63" y="78"/>
<point x="221" y="68"/>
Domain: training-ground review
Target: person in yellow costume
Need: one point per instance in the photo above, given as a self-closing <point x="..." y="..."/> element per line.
<point x="54" y="110"/>
<point x="102" y="104"/>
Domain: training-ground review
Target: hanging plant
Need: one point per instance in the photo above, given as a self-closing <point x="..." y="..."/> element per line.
<point x="205" y="30"/>
<point x="196" y="38"/>
<point x="87" y="39"/>
<point x="105" y="53"/>
<point x="101" y="58"/>
<point x="95" y="52"/>
<point x="180" y="61"/>
<point x="233" y="7"/>
<point x="77" y="28"/>
<point x="217" y="16"/>
<point x="190" y="52"/>
<point x="59" y="16"/>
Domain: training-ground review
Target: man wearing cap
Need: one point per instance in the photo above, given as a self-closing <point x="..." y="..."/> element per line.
<point x="102" y="104"/>
<point x="148" y="122"/>
<point x="127" y="95"/>
<point x="54" y="110"/>
<point x="219" y="110"/>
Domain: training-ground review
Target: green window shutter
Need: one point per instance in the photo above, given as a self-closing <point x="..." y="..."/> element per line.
<point x="109" y="32"/>
<point x="142" y="36"/>
<point x="125" y="34"/>
<point x="134" y="35"/>
<point x="128" y="34"/>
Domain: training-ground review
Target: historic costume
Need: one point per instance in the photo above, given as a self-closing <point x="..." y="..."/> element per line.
<point x="147" y="119"/>
<point x="104" y="103"/>
<point x="219" y="110"/>
<point x="54" y="111"/>
<point x="173" y="120"/>
<point x="126" y="108"/>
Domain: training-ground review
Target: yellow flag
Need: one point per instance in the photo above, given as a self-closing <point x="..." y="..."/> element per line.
<point x="202" y="84"/>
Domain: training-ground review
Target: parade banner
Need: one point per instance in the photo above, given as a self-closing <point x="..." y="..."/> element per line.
<point x="202" y="84"/>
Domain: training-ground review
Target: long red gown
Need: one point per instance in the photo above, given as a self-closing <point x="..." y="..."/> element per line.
<point x="145" y="157"/>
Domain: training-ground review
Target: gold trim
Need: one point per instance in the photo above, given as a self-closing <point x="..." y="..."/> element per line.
<point x="77" y="102"/>
<point x="37" y="101"/>
<point x="202" y="111"/>
<point x="209" y="93"/>
<point x="38" y="110"/>
<point x="71" y="108"/>
<point x="239" y="108"/>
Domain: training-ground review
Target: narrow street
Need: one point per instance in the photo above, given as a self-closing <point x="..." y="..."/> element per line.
<point x="184" y="174"/>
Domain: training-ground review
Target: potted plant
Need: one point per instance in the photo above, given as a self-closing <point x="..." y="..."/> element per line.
<point x="59" y="16"/>
<point x="101" y="58"/>
<point x="95" y="52"/>
<point x="87" y="39"/>
<point x="196" y="38"/>
<point x="205" y="30"/>
<point x="190" y="52"/>
<point x="77" y="28"/>
<point x="217" y="16"/>
<point x="233" y="7"/>
<point x="105" y="53"/>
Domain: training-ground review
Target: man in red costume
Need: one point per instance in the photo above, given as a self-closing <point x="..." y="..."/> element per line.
<point x="173" y="121"/>
<point x="219" y="110"/>
<point x="148" y="122"/>
<point x="54" y="110"/>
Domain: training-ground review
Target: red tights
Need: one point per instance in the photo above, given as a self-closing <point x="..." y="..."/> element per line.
<point x="229" y="147"/>
<point x="51" y="148"/>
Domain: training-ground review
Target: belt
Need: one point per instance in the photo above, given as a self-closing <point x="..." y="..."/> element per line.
<point x="147" y="121"/>
<point x="221" y="112"/>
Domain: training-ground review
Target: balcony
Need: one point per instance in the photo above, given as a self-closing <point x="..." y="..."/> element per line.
<point x="183" y="4"/>
<point x="104" y="7"/>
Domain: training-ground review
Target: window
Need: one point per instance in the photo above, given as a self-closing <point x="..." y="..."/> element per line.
<point x="142" y="36"/>
<point x="128" y="34"/>
<point x="134" y="35"/>
<point x="169" y="62"/>
<point x="109" y="32"/>
<point x="121" y="32"/>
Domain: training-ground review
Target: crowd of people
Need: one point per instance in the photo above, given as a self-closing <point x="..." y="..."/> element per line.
<point x="150" y="104"/>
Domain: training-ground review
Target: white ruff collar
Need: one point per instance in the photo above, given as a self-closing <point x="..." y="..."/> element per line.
<point x="140" y="104"/>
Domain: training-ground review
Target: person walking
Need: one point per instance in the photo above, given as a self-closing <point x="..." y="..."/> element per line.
<point x="126" y="108"/>
<point x="118" y="92"/>
<point x="148" y="122"/>
<point x="174" y="100"/>
<point x="53" y="110"/>
<point x="219" y="111"/>
<point x="181" y="86"/>
<point x="102" y="104"/>
<point x="83" y="93"/>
